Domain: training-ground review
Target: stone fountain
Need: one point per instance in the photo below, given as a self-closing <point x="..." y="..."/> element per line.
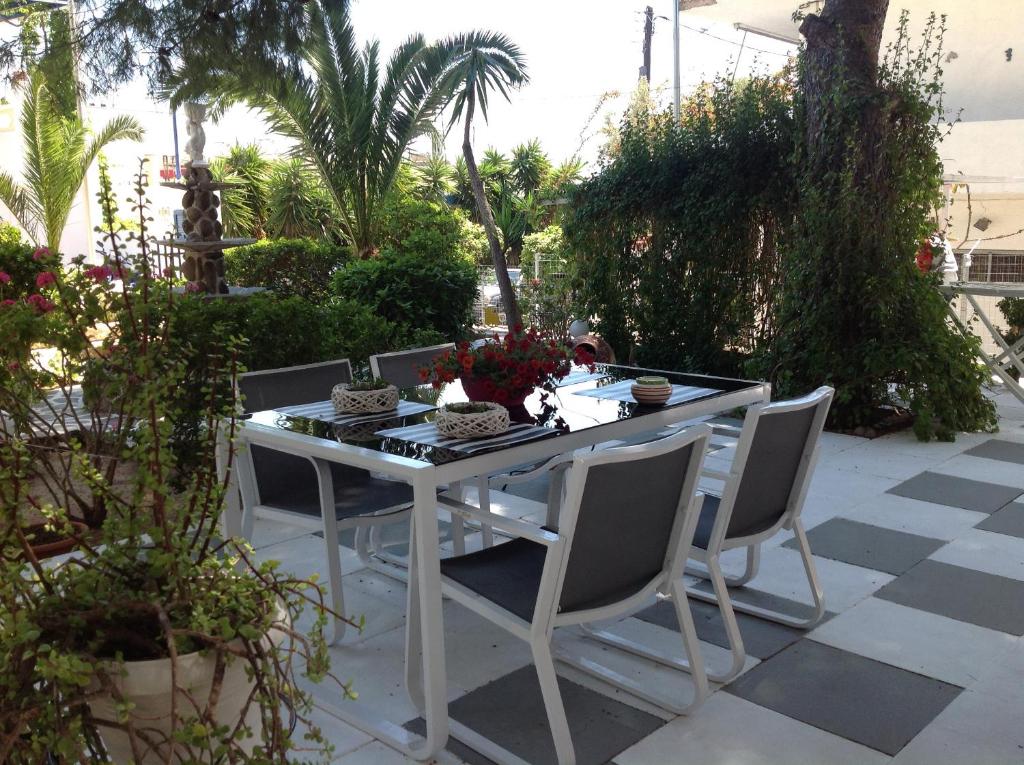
<point x="203" y="243"/>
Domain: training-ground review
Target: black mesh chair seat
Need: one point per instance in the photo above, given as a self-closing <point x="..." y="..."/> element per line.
<point x="507" y="574"/>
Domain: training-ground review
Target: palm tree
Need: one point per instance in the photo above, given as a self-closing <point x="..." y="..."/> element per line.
<point x="484" y="60"/>
<point x="244" y="206"/>
<point x="297" y="202"/>
<point x="352" y="121"/>
<point x="434" y="178"/>
<point x="58" y="153"/>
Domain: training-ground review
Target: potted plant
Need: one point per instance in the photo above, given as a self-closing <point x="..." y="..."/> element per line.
<point x="158" y="641"/>
<point x="506" y="370"/>
<point x="366" y="396"/>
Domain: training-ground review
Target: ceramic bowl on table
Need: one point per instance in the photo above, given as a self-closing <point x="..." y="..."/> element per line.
<point x="651" y="391"/>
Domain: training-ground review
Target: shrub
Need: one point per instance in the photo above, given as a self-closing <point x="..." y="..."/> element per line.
<point x="1013" y="312"/>
<point x="431" y="230"/>
<point x="299" y="267"/>
<point x="417" y="291"/>
<point x="17" y="261"/>
<point x="676" y="239"/>
<point x="549" y="245"/>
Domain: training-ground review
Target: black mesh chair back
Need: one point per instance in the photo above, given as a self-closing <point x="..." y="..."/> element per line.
<point x="286" y="480"/>
<point x="401" y="368"/>
<point x="626" y="522"/>
<point x="777" y="451"/>
<point x="289" y="386"/>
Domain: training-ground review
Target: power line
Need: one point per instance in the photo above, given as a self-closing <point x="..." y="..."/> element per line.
<point x="732" y="42"/>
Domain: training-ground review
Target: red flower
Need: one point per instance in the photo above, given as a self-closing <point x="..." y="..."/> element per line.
<point x="5" y="277"/>
<point x="99" y="273"/>
<point x="500" y="396"/>
<point x="46" y="277"/>
<point x="40" y="253"/>
<point x="41" y="304"/>
<point x="7" y="303"/>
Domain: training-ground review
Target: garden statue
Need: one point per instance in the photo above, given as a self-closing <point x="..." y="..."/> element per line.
<point x="203" y="243"/>
<point x="196" y="113"/>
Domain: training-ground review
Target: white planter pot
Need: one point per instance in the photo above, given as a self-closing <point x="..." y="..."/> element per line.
<point x="148" y="685"/>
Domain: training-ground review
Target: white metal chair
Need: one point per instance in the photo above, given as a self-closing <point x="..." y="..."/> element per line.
<point x="763" y="493"/>
<point x="294" y="489"/>
<point x="627" y="523"/>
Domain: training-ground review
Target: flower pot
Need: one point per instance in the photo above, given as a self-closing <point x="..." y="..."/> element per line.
<point x="476" y="390"/>
<point x="148" y="686"/>
<point x="651" y="391"/>
<point x="491" y="422"/>
<point x="47" y="548"/>
<point x="364" y="401"/>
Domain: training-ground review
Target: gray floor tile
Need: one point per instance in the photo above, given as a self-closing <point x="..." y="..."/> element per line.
<point x="997" y="449"/>
<point x="761" y="599"/>
<point x="960" y="593"/>
<point x="510" y="712"/>
<point x="941" y="489"/>
<point x="761" y="638"/>
<point x="862" y="544"/>
<point x="860" y="699"/>
<point x="1009" y="520"/>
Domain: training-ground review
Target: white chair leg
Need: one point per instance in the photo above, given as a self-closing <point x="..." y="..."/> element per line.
<point x="545" y="666"/>
<point x="732" y="629"/>
<point x="750" y="571"/>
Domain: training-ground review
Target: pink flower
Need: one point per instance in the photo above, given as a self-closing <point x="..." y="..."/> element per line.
<point x="40" y="303"/>
<point x="169" y="272"/>
<point x="192" y="287"/>
<point x="46" y="277"/>
<point x="7" y="303"/>
<point x="99" y="273"/>
<point x="14" y="366"/>
<point x="40" y="253"/>
<point x="5" y="277"/>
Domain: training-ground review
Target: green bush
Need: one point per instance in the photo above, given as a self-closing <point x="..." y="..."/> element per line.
<point x="1013" y="312"/>
<point x="418" y="291"/>
<point x="549" y="245"/>
<point x="299" y="267"/>
<point x="432" y="230"/>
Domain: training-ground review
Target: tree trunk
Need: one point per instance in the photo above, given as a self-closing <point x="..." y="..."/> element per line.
<point x="508" y="295"/>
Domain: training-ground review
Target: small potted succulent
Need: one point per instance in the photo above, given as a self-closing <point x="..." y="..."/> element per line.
<point x="651" y="390"/>
<point x="365" y="397"/>
<point x="472" y="419"/>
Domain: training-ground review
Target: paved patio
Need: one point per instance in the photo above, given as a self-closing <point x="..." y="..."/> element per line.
<point x="920" y="548"/>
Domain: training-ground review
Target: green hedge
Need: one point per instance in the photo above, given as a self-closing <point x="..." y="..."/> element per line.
<point x="300" y="267"/>
<point x="420" y="292"/>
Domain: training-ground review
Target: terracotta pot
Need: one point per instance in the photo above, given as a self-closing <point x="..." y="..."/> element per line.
<point x="147" y="685"/>
<point x="476" y="390"/>
<point x="58" y="547"/>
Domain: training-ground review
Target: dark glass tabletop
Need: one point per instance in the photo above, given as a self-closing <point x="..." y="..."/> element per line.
<point x="583" y="400"/>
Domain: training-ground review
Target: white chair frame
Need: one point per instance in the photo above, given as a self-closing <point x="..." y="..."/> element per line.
<point x="538" y="632"/>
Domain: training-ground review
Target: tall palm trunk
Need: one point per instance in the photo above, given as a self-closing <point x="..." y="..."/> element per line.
<point x="508" y="295"/>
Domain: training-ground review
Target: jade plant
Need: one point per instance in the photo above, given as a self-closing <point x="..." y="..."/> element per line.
<point x="156" y="580"/>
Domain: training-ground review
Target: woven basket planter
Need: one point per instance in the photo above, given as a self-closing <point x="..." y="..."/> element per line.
<point x="476" y="425"/>
<point x="364" y="401"/>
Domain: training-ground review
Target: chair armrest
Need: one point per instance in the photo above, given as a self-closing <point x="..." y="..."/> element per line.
<point x="510" y="525"/>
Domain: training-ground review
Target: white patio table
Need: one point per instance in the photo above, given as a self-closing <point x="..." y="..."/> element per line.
<point x="1011" y="356"/>
<point x="571" y="419"/>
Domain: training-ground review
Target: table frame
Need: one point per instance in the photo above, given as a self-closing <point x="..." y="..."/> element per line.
<point x="425" y="672"/>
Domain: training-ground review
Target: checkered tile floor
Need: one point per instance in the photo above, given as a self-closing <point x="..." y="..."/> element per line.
<point x="920" y="660"/>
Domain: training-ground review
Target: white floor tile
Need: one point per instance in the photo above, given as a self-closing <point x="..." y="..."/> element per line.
<point x="377" y="753"/>
<point x="917" y="641"/>
<point x="340" y="735"/>
<point x="307" y="555"/>
<point x="479" y="651"/>
<point x="987" y="551"/>
<point x="983" y="469"/>
<point x="266" y="532"/>
<point x="914" y="516"/>
<point x="731" y="731"/>
<point x="866" y="460"/>
<point x="782" y="573"/>
<point x="975" y="728"/>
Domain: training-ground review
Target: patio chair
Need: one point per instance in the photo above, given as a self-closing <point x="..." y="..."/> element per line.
<point x="294" y="489"/>
<point x="401" y="368"/>
<point x="763" y="494"/>
<point x="627" y="523"/>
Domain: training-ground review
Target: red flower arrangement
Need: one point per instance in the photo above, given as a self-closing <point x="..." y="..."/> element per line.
<point x="507" y="370"/>
<point x="925" y="256"/>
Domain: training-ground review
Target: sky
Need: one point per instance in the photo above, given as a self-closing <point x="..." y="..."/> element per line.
<point x="576" y="51"/>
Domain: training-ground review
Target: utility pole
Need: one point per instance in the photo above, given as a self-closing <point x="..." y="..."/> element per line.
<point x="645" y="70"/>
<point x="676" y="89"/>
